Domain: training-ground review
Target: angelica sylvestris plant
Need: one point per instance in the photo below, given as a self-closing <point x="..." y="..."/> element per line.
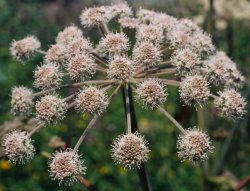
<point x="192" y="64"/>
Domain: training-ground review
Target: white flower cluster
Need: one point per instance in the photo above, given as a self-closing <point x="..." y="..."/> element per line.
<point x="162" y="46"/>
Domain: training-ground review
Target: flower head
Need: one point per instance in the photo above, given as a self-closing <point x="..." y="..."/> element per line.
<point x="146" y="53"/>
<point x="81" y="46"/>
<point x="150" y="33"/>
<point x="95" y="16"/>
<point x="65" y="166"/>
<point x="81" y="67"/>
<point x="145" y="15"/>
<point x="194" y="89"/>
<point x="202" y="43"/>
<point x="21" y="100"/>
<point x="151" y="92"/>
<point x="57" y="54"/>
<point x="23" y="49"/>
<point x="194" y="145"/>
<point x="68" y="35"/>
<point x="178" y="38"/>
<point x="189" y="26"/>
<point x="18" y="147"/>
<point x="122" y="9"/>
<point x="235" y="79"/>
<point x="164" y="21"/>
<point x="47" y="76"/>
<point x="128" y="22"/>
<point x="130" y="150"/>
<point x="120" y="68"/>
<point x="91" y="100"/>
<point x="231" y="104"/>
<point x="222" y="70"/>
<point x="185" y="60"/>
<point x="115" y="43"/>
<point x="51" y="108"/>
<point x="216" y="67"/>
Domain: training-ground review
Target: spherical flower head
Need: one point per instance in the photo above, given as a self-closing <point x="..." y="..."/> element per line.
<point x="68" y="35"/>
<point x="57" y="54"/>
<point x="21" y="101"/>
<point x="164" y="21"/>
<point x="18" y="147"/>
<point x="202" y="43"/>
<point x="81" y="67"/>
<point x="150" y="33"/>
<point x="223" y="71"/>
<point x="130" y="150"/>
<point x="185" y="60"/>
<point x="120" y="68"/>
<point x="189" y="26"/>
<point x="151" y="92"/>
<point x="194" y="145"/>
<point x="145" y="15"/>
<point x="51" y="108"/>
<point x="235" y="79"/>
<point x="95" y="16"/>
<point x="81" y="46"/>
<point x="146" y="54"/>
<point x="91" y="100"/>
<point x="121" y="9"/>
<point x="115" y="43"/>
<point x="22" y="50"/>
<point x="194" y="89"/>
<point x="47" y="76"/>
<point x="128" y="22"/>
<point x="65" y="166"/>
<point x="231" y="104"/>
<point x="216" y="67"/>
<point x="178" y="38"/>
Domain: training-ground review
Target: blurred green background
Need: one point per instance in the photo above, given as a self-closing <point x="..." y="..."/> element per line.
<point x="227" y="22"/>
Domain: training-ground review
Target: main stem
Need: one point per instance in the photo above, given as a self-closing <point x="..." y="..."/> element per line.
<point x="143" y="174"/>
<point x="128" y="109"/>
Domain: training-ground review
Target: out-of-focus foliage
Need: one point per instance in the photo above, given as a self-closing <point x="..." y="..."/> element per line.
<point x="44" y="19"/>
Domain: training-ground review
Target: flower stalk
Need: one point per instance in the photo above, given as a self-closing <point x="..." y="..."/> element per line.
<point x="162" y="110"/>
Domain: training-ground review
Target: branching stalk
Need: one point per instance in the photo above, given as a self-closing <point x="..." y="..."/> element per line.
<point x="86" y="183"/>
<point x="105" y="28"/>
<point x="69" y="97"/>
<point x="91" y="124"/>
<point x="170" y="82"/>
<point x="115" y="91"/>
<point x="101" y="69"/>
<point x="71" y="105"/>
<point x="99" y="59"/>
<point x="164" y="49"/>
<point x="74" y="85"/>
<point x="213" y="96"/>
<point x="171" y="119"/>
<point x="157" y="72"/>
<point x="35" y="129"/>
<point x="41" y="52"/>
